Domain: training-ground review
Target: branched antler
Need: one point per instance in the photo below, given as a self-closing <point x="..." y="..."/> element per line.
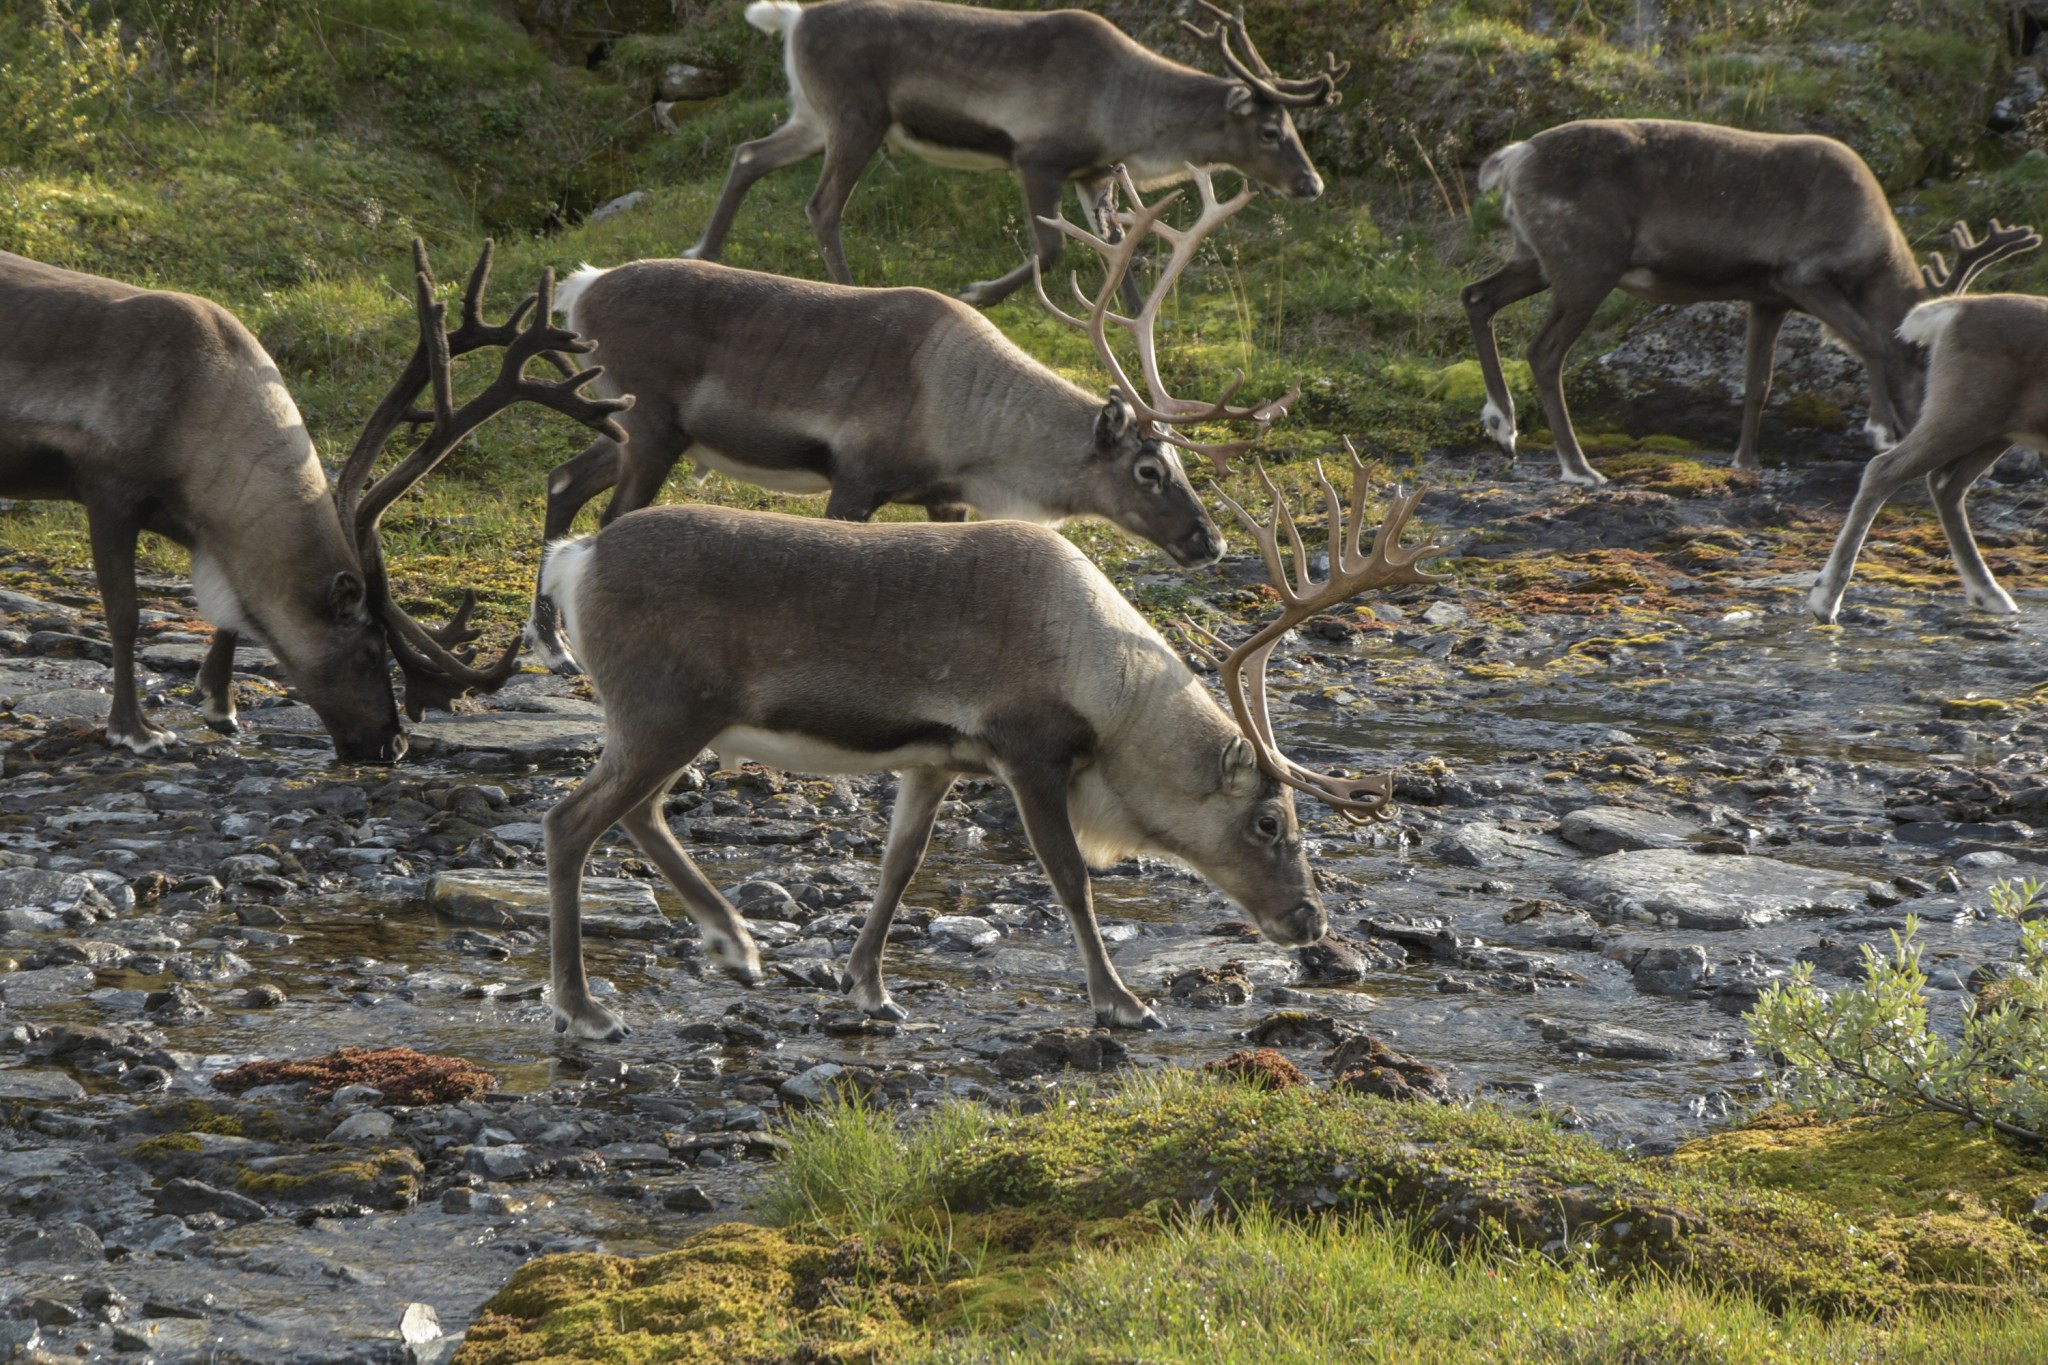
<point x="435" y="672"/>
<point x="1320" y="88"/>
<point x="1973" y="256"/>
<point x="1162" y="410"/>
<point x="1353" y="570"/>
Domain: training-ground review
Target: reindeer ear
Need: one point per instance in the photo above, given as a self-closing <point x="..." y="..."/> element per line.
<point x="1241" y="100"/>
<point x="1240" y="769"/>
<point x="1114" y="423"/>
<point x="345" y="598"/>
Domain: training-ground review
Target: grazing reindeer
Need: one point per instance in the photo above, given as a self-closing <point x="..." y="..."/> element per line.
<point x="161" y="412"/>
<point x="937" y="650"/>
<point x="888" y="395"/>
<point x="1987" y="387"/>
<point x="1054" y="97"/>
<point x="1686" y="212"/>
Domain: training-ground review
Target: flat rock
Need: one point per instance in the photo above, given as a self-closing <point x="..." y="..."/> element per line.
<point x="68" y="703"/>
<point x="1618" y="829"/>
<point x="613" y="907"/>
<point x="524" y="736"/>
<point x="39" y="1087"/>
<point x="1698" y="891"/>
<point x="751" y="829"/>
<point x="1488" y="846"/>
<point x="1632" y="1045"/>
<point x="23" y="888"/>
<point x="48" y="986"/>
<point x="1260" y="963"/>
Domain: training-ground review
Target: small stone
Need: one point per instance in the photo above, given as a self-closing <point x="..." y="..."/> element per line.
<point x="370" y="1125"/>
<point x="813" y="1086"/>
<point x="963" y="933"/>
<point x="688" y="1199"/>
<point x="1671" y="971"/>
<point x="65" y="1244"/>
<point x="418" y="1324"/>
<point x="183" y="1196"/>
<point x="1367" y="1066"/>
<point x="262" y="997"/>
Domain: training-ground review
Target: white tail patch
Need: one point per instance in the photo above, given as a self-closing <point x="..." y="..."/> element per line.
<point x="775" y="16"/>
<point x="570" y="291"/>
<point x="561" y="583"/>
<point x="1497" y="167"/>
<point x="1927" y="322"/>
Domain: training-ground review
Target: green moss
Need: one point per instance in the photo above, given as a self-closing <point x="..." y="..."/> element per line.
<point x="1974" y="708"/>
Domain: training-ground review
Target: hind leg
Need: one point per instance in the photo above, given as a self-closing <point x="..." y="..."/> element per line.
<point x="793" y="142"/>
<point x="1518" y="279"/>
<point x="918" y="794"/>
<point x="723" y="931"/>
<point x="1948" y="487"/>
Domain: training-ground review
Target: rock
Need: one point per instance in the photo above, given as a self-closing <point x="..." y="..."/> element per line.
<point x="163" y="1233"/>
<point x="371" y="1125"/>
<point x="681" y="81"/>
<point x="1263" y="1069"/>
<point x="1258" y="963"/>
<point x="511" y="736"/>
<point x="1698" y="892"/>
<point x="39" y="1087"/>
<point x="963" y="933"/>
<point x="1669" y="971"/>
<point x="44" y="988"/>
<point x="766" y="900"/>
<point x="752" y="829"/>
<point x="1059" y="1049"/>
<point x="613" y="907"/>
<point x="814" y="1085"/>
<point x="20" y="1339"/>
<point x="1296" y="1028"/>
<point x="1628" y="1044"/>
<point x="1616" y="829"/>
<point x="1484" y="845"/>
<point x="512" y="1161"/>
<point x="25" y="888"/>
<point x="419" y="1324"/>
<point x="65" y="1244"/>
<point x="1368" y="1066"/>
<point x="625" y="203"/>
<point x="185" y="1196"/>
<point x="688" y="1199"/>
<point x="1338" y="957"/>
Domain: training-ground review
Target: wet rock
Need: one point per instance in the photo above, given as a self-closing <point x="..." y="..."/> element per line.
<point x="1298" y="1029"/>
<point x="1337" y="957"/>
<point x="1667" y="971"/>
<point x="44" y="988"/>
<point x="1062" y="1049"/>
<point x="385" y="1178"/>
<point x="752" y="829"/>
<point x="20" y="1338"/>
<point x="1491" y="846"/>
<point x="509" y="737"/>
<point x="1367" y="1066"/>
<point x="372" y="1125"/>
<point x="58" y="893"/>
<point x="64" y="1244"/>
<point x="1617" y="829"/>
<point x="963" y="933"/>
<point x="766" y="900"/>
<point x="175" y="1006"/>
<point x="183" y="1196"/>
<point x="48" y="1312"/>
<point x="613" y="907"/>
<point x="1627" y="1044"/>
<point x="1210" y="987"/>
<point x="814" y="1085"/>
<point x="1697" y="892"/>
<point x="688" y="1199"/>
<point x="1258" y="964"/>
<point x="164" y="1234"/>
<point x="39" y="1087"/>
<point x="165" y="1338"/>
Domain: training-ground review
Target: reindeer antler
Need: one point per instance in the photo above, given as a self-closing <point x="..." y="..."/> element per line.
<point x="1163" y="410"/>
<point x="1973" y="256"/>
<point x="435" y="673"/>
<point x="1352" y="571"/>
<point x="1320" y="88"/>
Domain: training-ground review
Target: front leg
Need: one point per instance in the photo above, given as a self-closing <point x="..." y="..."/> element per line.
<point x="1041" y="790"/>
<point x="1041" y="200"/>
<point x="113" y="561"/>
<point x="217" y="684"/>
<point x="918" y="794"/>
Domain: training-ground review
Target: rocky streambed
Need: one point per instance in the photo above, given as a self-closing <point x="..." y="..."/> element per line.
<point x="1637" y="786"/>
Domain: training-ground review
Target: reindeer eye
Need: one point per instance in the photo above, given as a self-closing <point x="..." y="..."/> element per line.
<point x="1150" y="474"/>
<point x="1269" y="825"/>
<point x="1269" y="134"/>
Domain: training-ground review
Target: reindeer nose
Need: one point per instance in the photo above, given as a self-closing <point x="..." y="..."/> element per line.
<point x="1200" y="548"/>
<point x="1310" y="186"/>
<point x="1305" y="923"/>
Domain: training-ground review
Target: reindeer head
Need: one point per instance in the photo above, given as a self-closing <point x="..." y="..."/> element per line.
<point x="1262" y="140"/>
<point x="437" y="664"/>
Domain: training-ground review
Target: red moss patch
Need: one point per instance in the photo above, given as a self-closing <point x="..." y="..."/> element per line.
<point x="1264" y="1069"/>
<point x="401" y="1075"/>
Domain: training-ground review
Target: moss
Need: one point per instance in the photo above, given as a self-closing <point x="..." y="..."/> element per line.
<point x="389" y="1179"/>
<point x="1975" y="708"/>
<point x="1810" y="411"/>
<point x="1677" y="475"/>
<point x="1264" y="1069"/>
<point x="400" y="1074"/>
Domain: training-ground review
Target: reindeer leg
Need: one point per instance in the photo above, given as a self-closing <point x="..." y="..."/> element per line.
<point x="624" y="779"/>
<point x="793" y="142"/>
<point x="1948" y="486"/>
<point x="918" y="794"/>
<point x="1928" y="447"/>
<point x="1759" y="352"/>
<point x="571" y="485"/>
<point x="217" y="684"/>
<point x="850" y="501"/>
<point x="1042" y="182"/>
<point x="1041" y="791"/>
<point x="1098" y="201"/>
<point x="1571" y="308"/>
<point x="724" y="933"/>
<point x="1518" y="279"/>
<point x="1840" y="316"/>
<point x="113" y="562"/>
<point x="850" y="146"/>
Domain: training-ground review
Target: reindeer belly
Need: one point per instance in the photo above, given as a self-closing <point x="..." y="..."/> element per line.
<point x="799" y="753"/>
<point x="774" y="478"/>
<point x="944" y="154"/>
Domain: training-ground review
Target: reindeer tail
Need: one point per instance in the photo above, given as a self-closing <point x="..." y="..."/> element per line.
<point x="568" y="291"/>
<point x="551" y="631"/>
<point x="774" y="16"/>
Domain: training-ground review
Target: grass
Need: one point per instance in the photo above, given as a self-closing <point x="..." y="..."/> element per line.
<point x="1185" y="1218"/>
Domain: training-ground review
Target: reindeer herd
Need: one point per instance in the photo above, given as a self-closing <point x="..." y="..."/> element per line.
<point x="950" y="648"/>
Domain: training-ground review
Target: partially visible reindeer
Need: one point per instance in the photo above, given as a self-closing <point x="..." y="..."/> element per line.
<point x="938" y="650"/>
<point x="1687" y="212"/>
<point x="1055" y="97"/>
<point x="1987" y="387"/>
<point x="890" y="395"/>
<point x="161" y="412"/>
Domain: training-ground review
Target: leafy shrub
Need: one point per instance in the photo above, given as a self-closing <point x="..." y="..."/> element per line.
<point x="62" y="79"/>
<point x="1872" y="1048"/>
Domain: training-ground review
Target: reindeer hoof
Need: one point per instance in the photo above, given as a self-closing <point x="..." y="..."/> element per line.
<point x="150" y="741"/>
<point x="593" y="1023"/>
<point x="1143" y="1020"/>
<point x="884" y="1008"/>
<point x="1589" y="478"/>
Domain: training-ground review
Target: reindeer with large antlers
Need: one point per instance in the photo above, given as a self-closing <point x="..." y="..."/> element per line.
<point x="161" y="412"/>
<point x="1686" y="212"/>
<point x="889" y="395"/>
<point x="936" y="651"/>
<point x="1055" y="97"/>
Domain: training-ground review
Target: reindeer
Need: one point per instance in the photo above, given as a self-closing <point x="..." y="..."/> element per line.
<point x="1987" y="387"/>
<point x="937" y="650"/>
<point x="161" y="412"/>
<point x="1054" y="97"/>
<point x="892" y="395"/>
<point x="1687" y="212"/>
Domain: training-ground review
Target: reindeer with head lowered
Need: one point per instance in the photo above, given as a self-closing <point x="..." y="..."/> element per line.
<point x="161" y="412"/>
<point x="1056" y="97"/>
<point x="1682" y="212"/>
